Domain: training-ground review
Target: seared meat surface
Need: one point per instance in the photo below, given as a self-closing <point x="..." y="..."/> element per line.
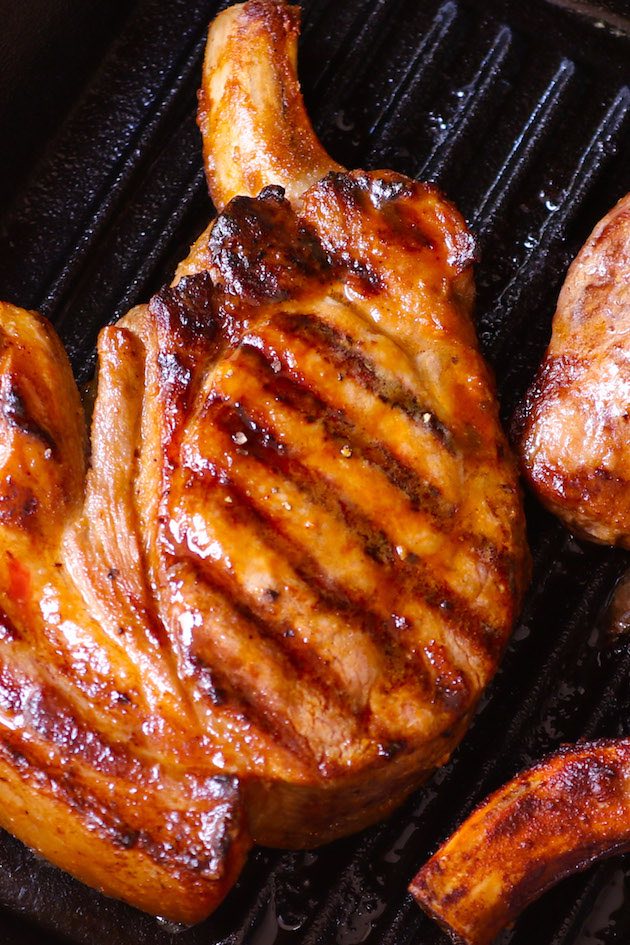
<point x="575" y="421"/>
<point x="552" y="820"/>
<point x="269" y="607"/>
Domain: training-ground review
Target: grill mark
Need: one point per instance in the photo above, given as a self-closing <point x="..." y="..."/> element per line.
<point x="226" y="692"/>
<point x="108" y="821"/>
<point x="439" y="599"/>
<point x="331" y="595"/>
<point x="266" y="449"/>
<point x="411" y="573"/>
<point x="340" y="348"/>
<point x="24" y="759"/>
<point x="304" y="663"/>
<point x="51" y="719"/>
<point x="290" y="389"/>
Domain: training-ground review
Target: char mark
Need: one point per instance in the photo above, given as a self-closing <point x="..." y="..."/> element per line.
<point x="330" y="594"/>
<point x="264" y="446"/>
<point x="261" y="250"/>
<point x="57" y="733"/>
<point x="341" y="350"/>
<point x="170" y="850"/>
<point x="226" y="692"/>
<point x="15" y="412"/>
<point x="410" y="573"/>
<point x="189" y="311"/>
<point x="293" y="391"/>
<point x="283" y="645"/>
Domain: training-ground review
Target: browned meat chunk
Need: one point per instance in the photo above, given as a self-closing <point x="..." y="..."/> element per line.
<point x="575" y="440"/>
<point x="554" y="819"/>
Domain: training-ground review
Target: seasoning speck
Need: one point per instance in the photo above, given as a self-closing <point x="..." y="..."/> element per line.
<point x="401" y="552"/>
<point x="276" y="366"/>
<point x="287" y="506"/>
<point x="228" y="499"/>
<point x="401" y="623"/>
<point x="426" y="417"/>
<point x="346" y="451"/>
<point x="239" y="438"/>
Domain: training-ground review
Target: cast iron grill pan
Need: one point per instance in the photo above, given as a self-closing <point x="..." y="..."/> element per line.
<point x="521" y="113"/>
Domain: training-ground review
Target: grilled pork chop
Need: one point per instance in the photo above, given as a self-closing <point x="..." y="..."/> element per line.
<point x="575" y="439"/>
<point x="268" y="608"/>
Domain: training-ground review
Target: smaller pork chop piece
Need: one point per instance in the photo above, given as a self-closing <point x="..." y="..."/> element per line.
<point x="559" y="817"/>
<point x="575" y="421"/>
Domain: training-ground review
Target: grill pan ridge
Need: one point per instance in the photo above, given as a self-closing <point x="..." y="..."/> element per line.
<point x="521" y="113"/>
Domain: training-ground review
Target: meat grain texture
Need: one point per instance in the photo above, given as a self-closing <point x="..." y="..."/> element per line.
<point x="265" y="610"/>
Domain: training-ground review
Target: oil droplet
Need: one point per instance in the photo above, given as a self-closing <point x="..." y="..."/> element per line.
<point x="342" y="122"/>
<point x="618" y="615"/>
<point x="172" y="928"/>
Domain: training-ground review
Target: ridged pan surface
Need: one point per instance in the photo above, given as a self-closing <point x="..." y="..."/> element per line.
<point x="521" y="113"/>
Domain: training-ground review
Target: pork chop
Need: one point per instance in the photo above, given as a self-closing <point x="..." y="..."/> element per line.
<point x="268" y="609"/>
<point x="575" y="420"/>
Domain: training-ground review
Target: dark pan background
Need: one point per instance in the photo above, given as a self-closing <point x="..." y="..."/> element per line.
<point x="521" y="112"/>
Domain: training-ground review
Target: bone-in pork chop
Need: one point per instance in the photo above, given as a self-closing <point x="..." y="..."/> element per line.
<point x="269" y="607"/>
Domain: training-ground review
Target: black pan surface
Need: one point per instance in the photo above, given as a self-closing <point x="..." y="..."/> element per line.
<point x="521" y="113"/>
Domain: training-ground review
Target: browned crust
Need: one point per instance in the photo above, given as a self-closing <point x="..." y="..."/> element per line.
<point x="78" y="780"/>
<point x="171" y="847"/>
<point x="553" y="820"/>
<point x="264" y="258"/>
